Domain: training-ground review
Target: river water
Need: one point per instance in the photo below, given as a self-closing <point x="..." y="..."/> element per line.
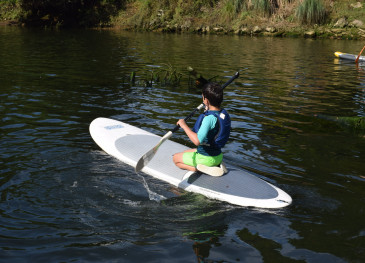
<point x="62" y="199"/>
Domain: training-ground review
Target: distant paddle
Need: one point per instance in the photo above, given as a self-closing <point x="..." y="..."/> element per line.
<point x="357" y="59"/>
<point x="145" y="159"/>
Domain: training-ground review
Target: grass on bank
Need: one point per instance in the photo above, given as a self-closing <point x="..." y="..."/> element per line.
<point x="149" y="14"/>
<point x="312" y="12"/>
<point x="152" y="14"/>
<point x="226" y="12"/>
<point x="347" y="9"/>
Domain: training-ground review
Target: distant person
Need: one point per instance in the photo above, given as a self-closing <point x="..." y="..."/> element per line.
<point x="210" y="133"/>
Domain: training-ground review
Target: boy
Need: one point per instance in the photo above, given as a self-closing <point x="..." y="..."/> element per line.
<point x="210" y="133"/>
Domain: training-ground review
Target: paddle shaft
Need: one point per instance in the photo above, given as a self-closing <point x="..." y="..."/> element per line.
<point x="357" y="59"/>
<point x="177" y="127"/>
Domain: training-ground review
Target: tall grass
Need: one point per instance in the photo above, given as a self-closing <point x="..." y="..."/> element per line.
<point x="228" y="11"/>
<point x="312" y="12"/>
<point x="267" y="7"/>
<point x="234" y="6"/>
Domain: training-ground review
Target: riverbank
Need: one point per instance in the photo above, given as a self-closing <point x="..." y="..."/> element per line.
<point x="275" y="18"/>
<point x="340" y="19"/>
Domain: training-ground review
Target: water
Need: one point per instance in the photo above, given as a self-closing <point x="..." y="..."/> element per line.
<point x="62" y="199"/>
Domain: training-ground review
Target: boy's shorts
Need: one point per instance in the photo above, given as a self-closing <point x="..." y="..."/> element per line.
<point x="194" y="158"/>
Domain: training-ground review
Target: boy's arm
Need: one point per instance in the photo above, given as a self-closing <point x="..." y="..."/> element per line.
<point x="192" y="135"/>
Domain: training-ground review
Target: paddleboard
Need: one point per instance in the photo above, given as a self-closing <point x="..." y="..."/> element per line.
<point x="350" y="57"/>
<point x="128" y="143"/>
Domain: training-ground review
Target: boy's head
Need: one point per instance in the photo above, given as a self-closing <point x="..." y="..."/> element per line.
<point x="214" y="93"/>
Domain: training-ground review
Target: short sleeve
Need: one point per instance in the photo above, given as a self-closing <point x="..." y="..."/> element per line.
<point x="208" y="124"/>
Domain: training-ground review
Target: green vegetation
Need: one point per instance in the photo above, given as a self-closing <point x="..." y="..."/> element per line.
<point x="327" y="18"/>
<point x="60" y="12"/>
<point x="312" y="12"/>
<point x="309" y="18"/>
<point x="9" y="10"/>
<point x="167" y="75"/>
<point x="226" y="12"/>
<point x="356" y="124"/>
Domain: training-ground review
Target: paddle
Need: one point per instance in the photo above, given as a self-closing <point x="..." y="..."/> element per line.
<point x="357" y="59"/>
<point x="144" y="160"/>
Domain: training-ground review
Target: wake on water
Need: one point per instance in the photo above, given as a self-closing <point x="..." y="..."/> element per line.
<point x="152" y="195"/>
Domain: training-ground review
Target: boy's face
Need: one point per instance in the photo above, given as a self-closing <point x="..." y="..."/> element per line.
<point x="206" y="102"/>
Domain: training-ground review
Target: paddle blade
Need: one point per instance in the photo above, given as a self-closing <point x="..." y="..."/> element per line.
<point x="146" y="158"/>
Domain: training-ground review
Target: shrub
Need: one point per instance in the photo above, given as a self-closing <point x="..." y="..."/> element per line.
<point x="69" y="13"/>
<point x="9" y="9"/>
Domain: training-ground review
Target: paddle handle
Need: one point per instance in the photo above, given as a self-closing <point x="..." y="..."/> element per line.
<point x="177" y="127"/>
<point x="236" y="75"/>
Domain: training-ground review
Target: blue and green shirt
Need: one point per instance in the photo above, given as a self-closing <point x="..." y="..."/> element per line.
<point x="206" y="135"/>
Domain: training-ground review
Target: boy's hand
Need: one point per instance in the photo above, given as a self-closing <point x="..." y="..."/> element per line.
<point x="192" y="135"/>
<point x="182" y="124"/>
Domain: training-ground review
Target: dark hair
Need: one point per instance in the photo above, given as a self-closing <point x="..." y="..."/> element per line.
<point x="214" y="93"/>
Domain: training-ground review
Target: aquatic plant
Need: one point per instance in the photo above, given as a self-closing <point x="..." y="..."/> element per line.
<point x="355" y="123"/>
<point x="167" y="75"/>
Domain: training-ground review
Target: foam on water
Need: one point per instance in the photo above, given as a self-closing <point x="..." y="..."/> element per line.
<point x="152" y="195"/>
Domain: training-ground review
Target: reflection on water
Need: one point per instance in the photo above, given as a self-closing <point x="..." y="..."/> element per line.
<point x="63" y="199"/>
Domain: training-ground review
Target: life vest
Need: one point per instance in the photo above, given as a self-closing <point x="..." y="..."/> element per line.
<point x="224" y="123"/>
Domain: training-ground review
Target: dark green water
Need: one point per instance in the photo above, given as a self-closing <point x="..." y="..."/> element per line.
<point x="64" y="200"/>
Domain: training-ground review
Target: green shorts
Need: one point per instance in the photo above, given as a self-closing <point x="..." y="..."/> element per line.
<point x="194" y="158"/>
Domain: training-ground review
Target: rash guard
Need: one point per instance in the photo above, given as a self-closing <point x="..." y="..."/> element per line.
<point x="206" y="135"/>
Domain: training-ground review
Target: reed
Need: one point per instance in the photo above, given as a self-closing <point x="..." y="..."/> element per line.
<point x="233" y="7"/>
<point x="166" y="75"/>
<point x="267" y="7"/>
<point x="311" y="12"/>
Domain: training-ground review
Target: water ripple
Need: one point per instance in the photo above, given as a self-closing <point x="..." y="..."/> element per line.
<point x="63" y="199"/>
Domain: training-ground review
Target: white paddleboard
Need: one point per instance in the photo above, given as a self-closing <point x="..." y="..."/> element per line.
<point x="128" y="143"/>
<point x="351" y="57"/>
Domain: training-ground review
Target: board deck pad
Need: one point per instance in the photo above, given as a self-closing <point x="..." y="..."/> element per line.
<point x="134" y="146"/>
<point x="129" y="144"/>
<point x="234" y="183"/>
